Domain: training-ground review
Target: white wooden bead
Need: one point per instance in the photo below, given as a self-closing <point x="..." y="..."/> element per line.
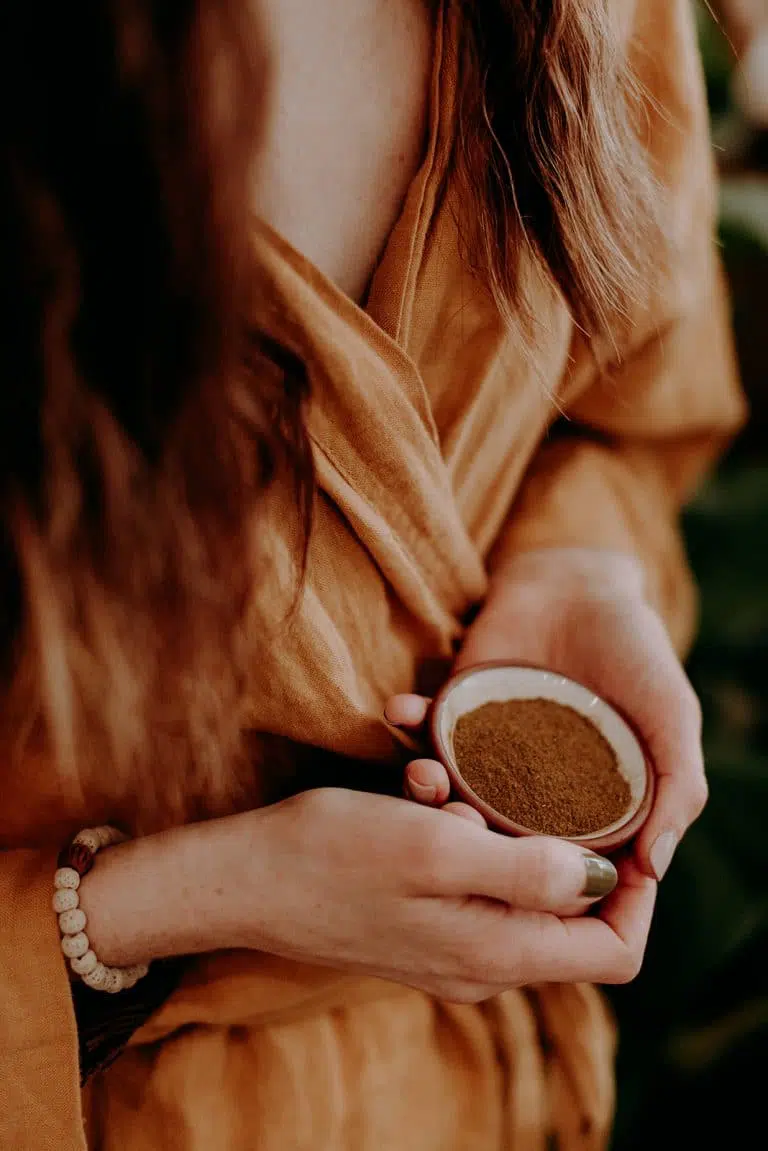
<point x="115" y="981"/>
<point x="65" y="899"/>
<point x="72" y="919"/>
<point x="84" y="964"/>
<point x="74" y="946"/>
<point x="97" y="977"/>
<point x="72" y="922"/>
<point x="113" y="835"/>
<point x="94" y="838"/>
<point x="66" y="877"/>
<point x="132" y="975"/>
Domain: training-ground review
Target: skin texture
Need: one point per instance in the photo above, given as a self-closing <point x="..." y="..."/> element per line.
<point x="371" y="885"/>
<point x="584" y="614"/>
<point x="351" y="873"/>
<point x="335" y="195"/>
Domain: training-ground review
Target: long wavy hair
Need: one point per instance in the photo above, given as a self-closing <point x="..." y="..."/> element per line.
<point x="142" y="418"/>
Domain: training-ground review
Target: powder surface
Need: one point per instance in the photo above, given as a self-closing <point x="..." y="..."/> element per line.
<point x="541" y="764"/>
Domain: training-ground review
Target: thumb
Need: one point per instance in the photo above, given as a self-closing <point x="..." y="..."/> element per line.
<point x="533" y="873"/>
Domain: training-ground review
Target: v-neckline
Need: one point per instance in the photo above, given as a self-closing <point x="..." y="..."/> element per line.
<point x="389" y="296"/>
<point x="376" y="447"/>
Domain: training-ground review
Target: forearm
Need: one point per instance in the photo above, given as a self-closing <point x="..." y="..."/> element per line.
<point x="607" y="499"/>
<point x="164" y="895"/>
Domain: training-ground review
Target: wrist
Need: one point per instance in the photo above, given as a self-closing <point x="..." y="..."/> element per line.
<point x="569" y="572"/>
<point x="173" y="893"/>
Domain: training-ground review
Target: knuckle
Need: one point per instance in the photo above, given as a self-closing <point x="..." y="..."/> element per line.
<point x="699" y="795"/>
<point x="691" y="707"/>
<point x="625" y="968"/>
<point x="472" y="964"/>
<point x="458" y="993"/>
<point x="321" y="801"/>
<point x="467" y="992"/>
<point x="424" y="857"/>
<point x="536" y="869"/>
<point x="482" y="970"/>
<point x="533" y="948"/>
<point x="465" y="966"/>
<point x="329" y="808"/>
<point x="306" y="807"/>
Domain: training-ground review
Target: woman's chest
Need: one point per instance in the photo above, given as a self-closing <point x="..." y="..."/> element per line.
<point x="346" y="100"/>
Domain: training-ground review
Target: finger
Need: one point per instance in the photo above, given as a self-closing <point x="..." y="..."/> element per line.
<point x="534" y="873"/>
<point x="626" y="915"/>
<point x="608" y="948"/>
<point x="464" y="811"/>
<point x="406" y="710"/>
<point x="426" y="781"/>
<point x="655" y="693"/>
<point x="672" y="729"/>
<point x="681" y="792"/>
<point x="504" y="948"/>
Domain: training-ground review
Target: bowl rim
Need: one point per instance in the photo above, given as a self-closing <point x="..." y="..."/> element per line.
<point x="611" y="841"/>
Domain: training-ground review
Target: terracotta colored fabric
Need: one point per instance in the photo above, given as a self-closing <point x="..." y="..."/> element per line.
<point x="429" y="424"/>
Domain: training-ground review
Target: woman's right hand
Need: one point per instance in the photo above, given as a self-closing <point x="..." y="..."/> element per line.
<point x="373" y="885"/>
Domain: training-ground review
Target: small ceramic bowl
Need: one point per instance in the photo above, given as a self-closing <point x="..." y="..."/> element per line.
<point x="500" y="681"/>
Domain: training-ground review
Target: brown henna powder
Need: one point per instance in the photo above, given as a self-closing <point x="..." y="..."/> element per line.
<point x="541" y="764"/>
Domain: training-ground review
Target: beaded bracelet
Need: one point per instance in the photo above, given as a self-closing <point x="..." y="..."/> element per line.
<point x="75" y="862"/>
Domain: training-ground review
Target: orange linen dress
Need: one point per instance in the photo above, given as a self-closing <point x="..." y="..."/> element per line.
<point x="429" y="425"/>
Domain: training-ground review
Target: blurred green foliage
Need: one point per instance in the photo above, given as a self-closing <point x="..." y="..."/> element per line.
<point x="694" y="1026"/>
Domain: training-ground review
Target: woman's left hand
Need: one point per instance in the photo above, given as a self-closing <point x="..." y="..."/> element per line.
<point x="583" y="613"/>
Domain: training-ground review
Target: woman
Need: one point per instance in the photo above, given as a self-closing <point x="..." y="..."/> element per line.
<point x="323" y="325"/>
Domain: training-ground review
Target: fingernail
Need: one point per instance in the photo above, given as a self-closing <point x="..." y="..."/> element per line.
<point x="424" y="792"/>
<point x="602" y="877"/>
<point x="662" y="852"/>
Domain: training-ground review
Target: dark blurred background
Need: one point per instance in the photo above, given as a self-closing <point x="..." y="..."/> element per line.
<point x="694" y="1027"/>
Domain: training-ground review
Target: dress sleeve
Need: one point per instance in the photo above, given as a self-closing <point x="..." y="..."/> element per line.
<point x="54" y="1033"/>
<point x="635" y="439"/>
<point x="39" y="1070"/>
